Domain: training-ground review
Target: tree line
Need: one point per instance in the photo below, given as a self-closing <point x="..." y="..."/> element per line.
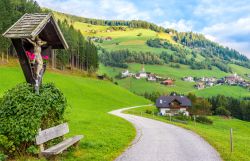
<point x="179" y="53"/>
<point x="208" y="48"/>
<point x="216" y="105"/>
<point x="131" y="24"/>
<point x="120" y="58"/>
<point x="82" y="54"/>
<point x="11" y="11"/>
<point x="238" y="108"/>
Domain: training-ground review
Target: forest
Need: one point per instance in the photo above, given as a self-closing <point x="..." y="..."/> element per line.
<point x="208" y="48"/>
<point x="180" y="53"/>
<point x="82" y="54"/>
<point x="120" y="58"/>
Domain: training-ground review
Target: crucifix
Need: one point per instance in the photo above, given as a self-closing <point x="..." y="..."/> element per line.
<point x="38" y="43"/>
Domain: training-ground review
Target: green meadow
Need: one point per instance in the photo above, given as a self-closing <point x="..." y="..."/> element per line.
<point x="216" y="134"/>
<point x="90" y="100"/>
<point x="142" y="86"/>
<point x="240" y="70"/>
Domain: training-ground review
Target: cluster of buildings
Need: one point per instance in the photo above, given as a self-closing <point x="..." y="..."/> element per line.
<point x="204" y="82"/>
<point x="100" y="39"/>
<point x="148" y="76"/>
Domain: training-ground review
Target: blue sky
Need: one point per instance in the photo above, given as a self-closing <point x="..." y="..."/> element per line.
<point x="223" y="21"/>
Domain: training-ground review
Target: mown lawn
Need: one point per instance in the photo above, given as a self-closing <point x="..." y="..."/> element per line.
<point x="232" y="91"/>
<point x="217" y="134"/>
<point x="106" y="136"/>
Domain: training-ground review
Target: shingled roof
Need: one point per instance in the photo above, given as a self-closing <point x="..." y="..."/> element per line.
<point x="42" y="24"/>
<point x="165" y="101"/>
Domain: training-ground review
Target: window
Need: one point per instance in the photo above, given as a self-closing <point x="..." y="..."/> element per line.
<point x="160" y="101"/>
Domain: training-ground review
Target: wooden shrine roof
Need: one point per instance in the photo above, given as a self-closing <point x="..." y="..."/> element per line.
<point x="42" y="24"/>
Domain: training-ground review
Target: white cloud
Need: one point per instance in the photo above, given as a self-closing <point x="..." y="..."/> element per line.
<point x="233" y="34"/>
<point x="101" y="9"/>
<point x="158" y="11"/>
<point x="181" y="25"/>
<point x="213" y="8"/>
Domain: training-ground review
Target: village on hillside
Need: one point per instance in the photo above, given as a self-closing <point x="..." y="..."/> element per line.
<point x="201" y="83"/>
<point x="151" y="77"/>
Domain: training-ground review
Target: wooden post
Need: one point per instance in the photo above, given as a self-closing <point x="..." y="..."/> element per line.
<point x="231" y="140"/>
<point x="170" y="117"/>
<point x="194" y="120"/>
<point x="41" y="147"/>
<point x="2" y="56"/>
<point x="53" y="59"/>
<point x="7" y="56"/>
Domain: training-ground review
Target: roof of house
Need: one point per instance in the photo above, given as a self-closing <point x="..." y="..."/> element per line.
<point x="42" y="24"/>
<point x="164" y="101"/>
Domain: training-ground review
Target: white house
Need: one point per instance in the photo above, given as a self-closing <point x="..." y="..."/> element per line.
<point x="141" y="74"/>
<point x="126" y="73"/>
<point x="188" y="79"/>
<point x="172" y="105"/>
<point x="152" y="78"/>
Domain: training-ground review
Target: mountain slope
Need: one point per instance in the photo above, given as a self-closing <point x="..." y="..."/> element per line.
<point x="127" y="44"/>
<point x="133" y="35"/>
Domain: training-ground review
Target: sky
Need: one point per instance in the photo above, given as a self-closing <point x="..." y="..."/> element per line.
<point x="224" y="21"/>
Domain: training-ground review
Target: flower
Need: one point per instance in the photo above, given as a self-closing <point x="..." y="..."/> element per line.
<point x="45" y="57"/>
<point x="30" y="55"/>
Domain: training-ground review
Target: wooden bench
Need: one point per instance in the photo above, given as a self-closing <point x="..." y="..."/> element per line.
<point x="54" y="132"/>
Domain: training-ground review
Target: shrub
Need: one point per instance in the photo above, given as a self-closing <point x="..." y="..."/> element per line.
<point x="222" y="111"/>
<point x="148" y="111"/>
<point x="204" y="120"/>
<point x="23" y="112"/>
<point x="182" y="117"/>
<point x="2" y="156"/>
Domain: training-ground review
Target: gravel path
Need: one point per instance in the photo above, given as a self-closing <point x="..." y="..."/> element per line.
<point x="158" y="141"/>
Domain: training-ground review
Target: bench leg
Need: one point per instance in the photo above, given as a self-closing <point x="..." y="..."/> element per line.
<point x="76" y="144"/>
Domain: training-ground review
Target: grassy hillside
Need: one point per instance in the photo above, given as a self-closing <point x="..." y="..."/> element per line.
<point x="233" y="91"/>
<point x="240" y="70"/>
<point x="128" y="39"/>
<point x="217" y="134"/>
<point x="90" y="100"/>
<point x="141" y="86"/>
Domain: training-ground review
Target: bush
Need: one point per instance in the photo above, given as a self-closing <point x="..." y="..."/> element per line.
<point x="222" y="111"/>
<point x="204" y="120"/>
<point x="23" y="112"/>
<point x="182" y="117"/>
<point x="148" y="111"/>
<point x="2" y="156"/>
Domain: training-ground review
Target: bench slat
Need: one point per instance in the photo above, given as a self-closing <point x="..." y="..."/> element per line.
<point x="62" y="146"/>
<point x="51" y="133"/>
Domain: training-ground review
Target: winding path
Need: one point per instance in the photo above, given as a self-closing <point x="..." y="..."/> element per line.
<point x="159" y="141"/>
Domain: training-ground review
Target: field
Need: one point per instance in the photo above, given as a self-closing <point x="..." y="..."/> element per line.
<point x="106" y="136"/>
<point x="133" y="39"/>
<point x="128" y="39"/>
<point x="233" y="91"/>
<point x="142" y="86"/>
<point x="217" y="134"/>
<point x="240" y="70"/>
